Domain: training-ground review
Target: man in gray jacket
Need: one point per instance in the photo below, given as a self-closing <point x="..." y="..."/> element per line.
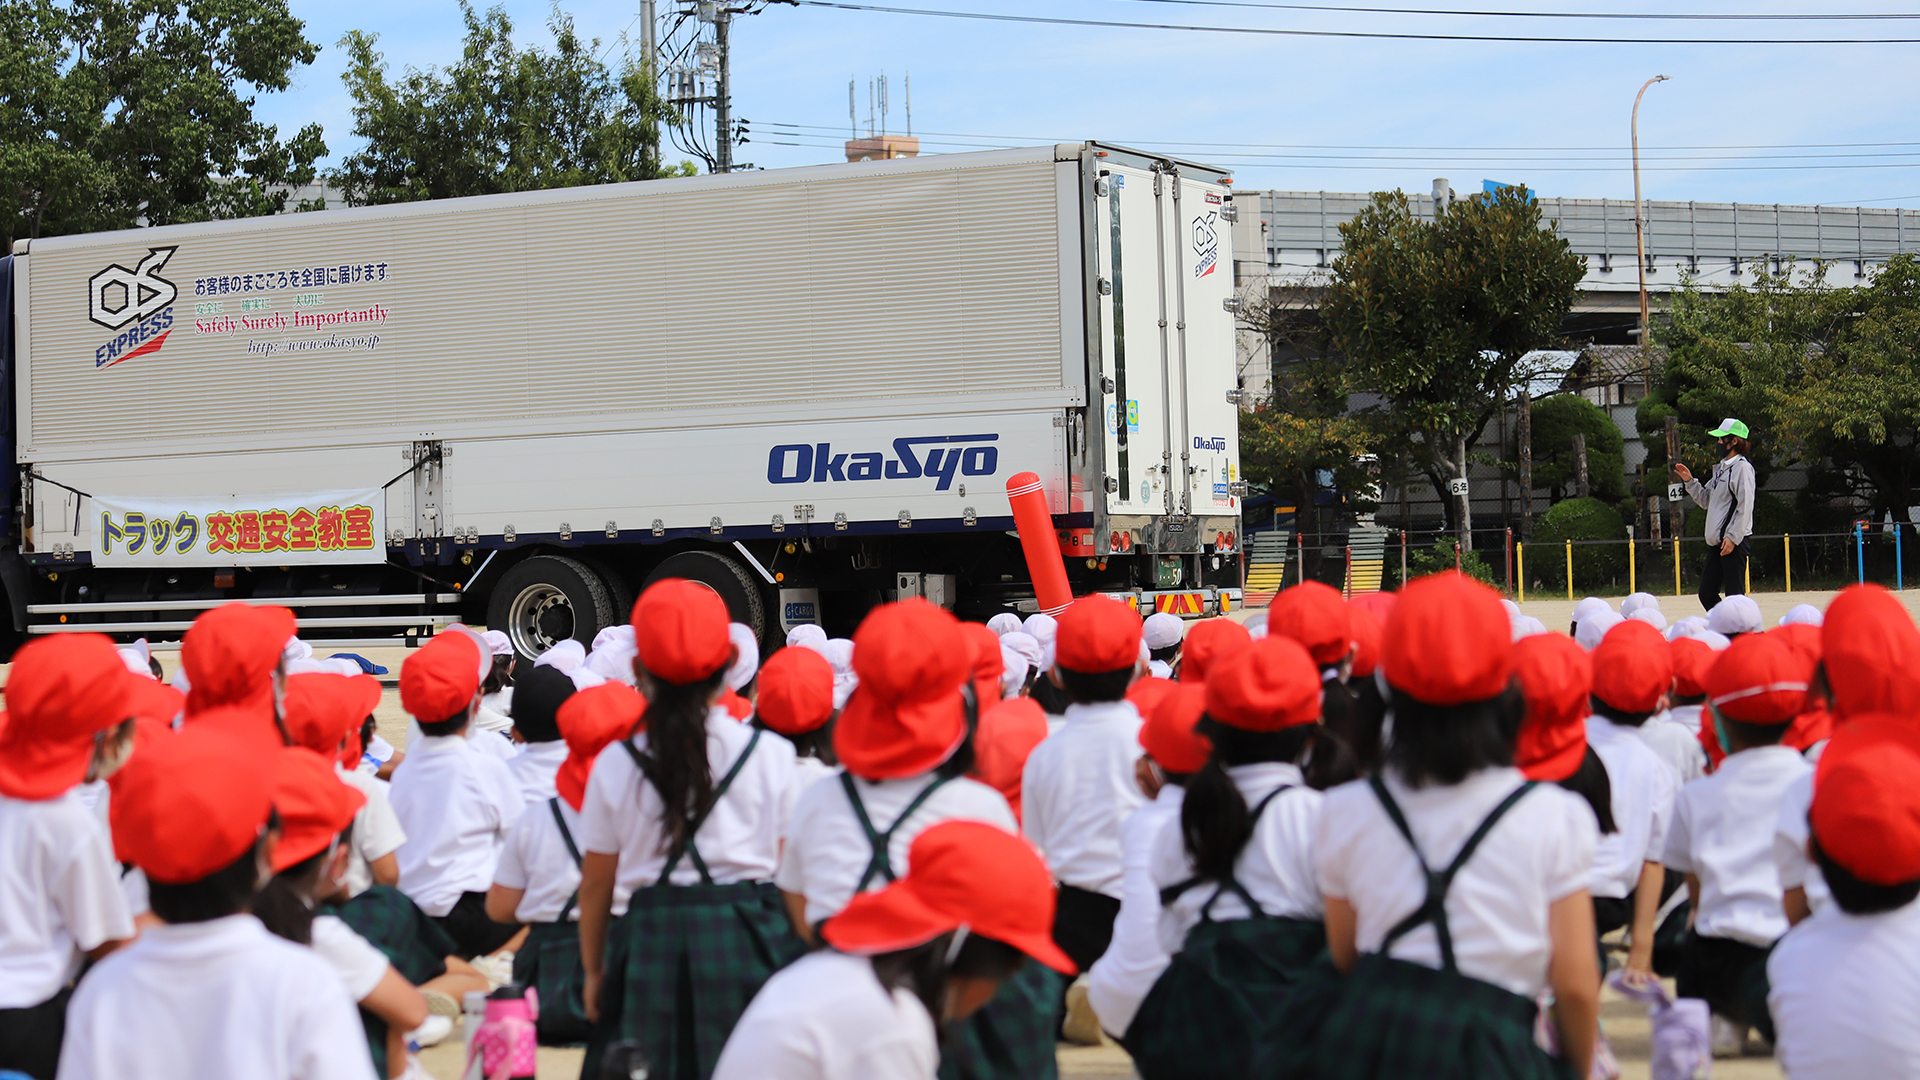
<point x="1728" y="498"/>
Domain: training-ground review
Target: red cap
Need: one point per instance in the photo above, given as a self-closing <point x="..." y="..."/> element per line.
<point x="151" y="699"/>
<point x="1269" y="687"/>
<point x="1377" y="604"/>
<point x="1208" y="643"/>
<point x="959" y="873"/>
<point x="1147" y="693"/>
<point x="1866" y="799"/>
<point x="737" y="707"/>
<point x="986" y="662"/>
<point x="1804" y="640"/>
<point x="1691" y="659"/>
<point x="315" y="805"/>
<point x="1632" y="667"/>
<point x="796" y="691"/>
<point x="680" y="630"/>
<point x="1007" y="735"/>
<point x="1097" y="634"/>
<point x="1872" y="653"/>
<point x="1449" y="641"/>
<point x="906" y="716"/>
<point x="591" y="720"/>
<point x="1168" y="736"/>
<point x="1315" y="615"/>
<point x="230" y="653"/>
<point x="1556" y="675"/>
<point x="1813" y="725"/>
<point x="322" y="709"/>
<point x="442" y="677"/>
<point x="190" y="804"/>
<point x="64" y="690"/>
<point x="1368" y="636"/>
<point x="1759" y="679"/>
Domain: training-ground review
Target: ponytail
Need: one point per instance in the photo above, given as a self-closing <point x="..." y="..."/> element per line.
<point x="675" y="760"/>
<point x="1215" y="821"/>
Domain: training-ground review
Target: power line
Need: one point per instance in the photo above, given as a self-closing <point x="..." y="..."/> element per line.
<point x="1269" y="31"/>
<point x="1664" y="16"/>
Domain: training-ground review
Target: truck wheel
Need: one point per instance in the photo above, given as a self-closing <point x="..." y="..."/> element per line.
<point x="546" y="600"/>
<point x="738" y="588"/>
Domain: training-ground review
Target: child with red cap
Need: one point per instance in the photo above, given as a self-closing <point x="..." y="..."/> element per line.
<point x="210" y="993"/>
<point x="1685" y="756"/>
<point x="537" y="883"/>
<point x="926" y="952"/>
<point x="324" y="713"/>
<point x="1845" y="984"/>
<point x="1241" y="909"/>
<point x="1722" y="834"/>
<point x="686" y="815"/>
<point x="1556" y="677"/>
<point x="456" y="804"/>
<point x="1455" y="888"/>
<point x="234" y="661"/>
<point x="60" y="898"/>
<point x="905" y="744"/>
<point x="796" y="702"/>
<point x="1078" y="788"/>
<point x="315" y="810"/>
<point x="1175" y="751"/>
<point x="1632" y="675"/>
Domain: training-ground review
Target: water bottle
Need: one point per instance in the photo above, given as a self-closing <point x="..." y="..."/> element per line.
<point x="473" y="1008"/>
<point x="624" y="1060"/>
<point x="505" y="1046"/>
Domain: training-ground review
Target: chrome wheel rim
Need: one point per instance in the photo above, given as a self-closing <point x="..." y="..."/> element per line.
<point x="540" y="618"/>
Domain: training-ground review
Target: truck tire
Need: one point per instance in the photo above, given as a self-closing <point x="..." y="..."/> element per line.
<point x="547" y="599"/>
<point x="737" y="588"/>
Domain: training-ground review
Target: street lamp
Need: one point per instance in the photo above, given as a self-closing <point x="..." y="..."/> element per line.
<point x="1640" y="234"/>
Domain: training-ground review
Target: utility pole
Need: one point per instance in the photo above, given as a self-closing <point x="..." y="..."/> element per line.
<point x="649" y="56"/>
<point x="1525" y="440"/>
<point x="1640" y="234"/>
<point x="723" y="103"/>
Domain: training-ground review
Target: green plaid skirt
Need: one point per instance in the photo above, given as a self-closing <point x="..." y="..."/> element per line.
<point x="1207" y="1014"/>
<point x="1391" y="1020"/>
<point x="549" y="961"/>
<point x="415" y="944"/>
<point x="682" y="964"/>
<point x="1013" y="1037"/>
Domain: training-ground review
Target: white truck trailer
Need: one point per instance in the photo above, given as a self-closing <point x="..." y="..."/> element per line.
<point x="804" y="387"/>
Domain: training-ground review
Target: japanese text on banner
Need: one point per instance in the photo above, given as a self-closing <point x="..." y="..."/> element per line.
<point x="264" y="530"/>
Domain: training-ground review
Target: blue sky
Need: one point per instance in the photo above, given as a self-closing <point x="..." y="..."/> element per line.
<point x="1270" y="103"/>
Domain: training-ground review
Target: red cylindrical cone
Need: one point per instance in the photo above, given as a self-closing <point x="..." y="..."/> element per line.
<point x="1039" y="541"/>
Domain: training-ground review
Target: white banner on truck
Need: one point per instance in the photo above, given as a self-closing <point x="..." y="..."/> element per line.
<point x="305" y="528"/>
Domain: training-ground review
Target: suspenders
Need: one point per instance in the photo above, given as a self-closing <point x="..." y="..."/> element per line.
<point x="1230" y="883"/>
<point x="566" y="836"/>
<point x="1434" y="908"/>
<point x="881" y="863"/>
<point x="691" y="850"/>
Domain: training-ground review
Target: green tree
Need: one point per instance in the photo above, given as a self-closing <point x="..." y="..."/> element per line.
<point x="1556" y="420"/>
<point x="500" y="119"/>
<point x="1436" y="316"/>
<point x="120" y="113"/>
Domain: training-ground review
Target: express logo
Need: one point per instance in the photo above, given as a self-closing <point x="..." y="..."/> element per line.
<point x="1206" y="244"/>
<point x="946" y="456"/>
<point x="117" y="296"/>
<point x="1215" y="443"/>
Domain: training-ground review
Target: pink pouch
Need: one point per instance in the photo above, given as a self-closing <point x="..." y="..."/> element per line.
<point x="506" y="1043"/>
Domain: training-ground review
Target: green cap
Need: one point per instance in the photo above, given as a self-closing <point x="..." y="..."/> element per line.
<point x="1729" y="426"/>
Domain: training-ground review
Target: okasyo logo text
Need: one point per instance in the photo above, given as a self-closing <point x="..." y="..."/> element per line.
<point x="945" y="456"/>
<point x="138" y="300"/>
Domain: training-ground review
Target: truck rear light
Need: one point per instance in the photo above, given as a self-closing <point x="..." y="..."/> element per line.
<point x="1113" y="542"/>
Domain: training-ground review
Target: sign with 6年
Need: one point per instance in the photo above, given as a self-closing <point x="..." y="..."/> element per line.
<point x="249" y="530"/>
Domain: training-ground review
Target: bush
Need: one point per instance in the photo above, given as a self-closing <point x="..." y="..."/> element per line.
<point x="1424" y="561"/>
<point x="1594" y="565"/>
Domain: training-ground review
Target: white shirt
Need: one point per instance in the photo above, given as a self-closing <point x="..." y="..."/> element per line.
<point x="1643" y="793"/>
<point x="457" y="806"/>
<point x="1120" y="979"/>
<point x="60" y="895"/>
<point x="359" y="965"/>
<point x="535" y="766"/>
<point x="1497" y="910"/>
<point x="740" y="839"/>
<point x="376" y="828"/>
<point x="1687" y="717"/>
<point x="494" y="744"/>
<point x="1078" y="789"/>
<point x="826" y="1017"/>
<point x="827" y="851"/>
<point x="1845" y="993"/>
<point x="1790" y="832"/>
<point x="223" y="998"/>
<point x="1723" y="826"/>
<point x="1276" y="866"/>
<point x="1677" y="745"/>
<point x="536" y="860"/>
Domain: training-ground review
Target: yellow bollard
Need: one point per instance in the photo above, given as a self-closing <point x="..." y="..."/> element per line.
<point x="1749" y="568"/>
<point x="1520" y="568"/>
<point x="1633" y="585"/>
<point x="1786" y="545"/>
<point x="1676" y="566"/>
<point x="1569" y="568"/>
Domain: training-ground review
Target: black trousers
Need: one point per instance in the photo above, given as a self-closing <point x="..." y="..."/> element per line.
<point x="1724" y="972"/>
<point x="1083" y="924"/>
<point x="475" y="934"/>
<point x="30" y="1038"/>
<point x="1724" y="573"/>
